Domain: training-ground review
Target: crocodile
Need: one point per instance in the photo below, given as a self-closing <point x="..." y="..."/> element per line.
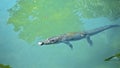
<point x="74" y="36"/>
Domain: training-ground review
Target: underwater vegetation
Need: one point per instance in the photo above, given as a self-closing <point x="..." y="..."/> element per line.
<point x="4" y="66"/>
<point x="99" y="8"/>
<point x="40" y="18"/>
<point x="36" y="18"/>
<point x="116" y="56"/>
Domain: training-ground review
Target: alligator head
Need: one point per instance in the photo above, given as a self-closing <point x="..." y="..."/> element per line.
<point x="49" y="41"/>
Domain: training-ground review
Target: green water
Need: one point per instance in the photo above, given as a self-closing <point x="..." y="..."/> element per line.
<point x="23" y="23"/>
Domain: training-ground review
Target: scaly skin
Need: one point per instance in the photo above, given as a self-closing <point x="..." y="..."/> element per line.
<point x="73" y="36"/>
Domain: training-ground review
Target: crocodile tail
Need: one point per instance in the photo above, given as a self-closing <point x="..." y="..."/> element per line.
<point x="100" y="29"/>
<point x="115" y="25"/>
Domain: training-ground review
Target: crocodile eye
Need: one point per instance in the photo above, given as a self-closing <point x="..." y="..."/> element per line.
<point x="52" y="40"/>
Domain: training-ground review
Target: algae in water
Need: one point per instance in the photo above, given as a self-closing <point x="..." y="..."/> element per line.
<point x="40" y="18"/>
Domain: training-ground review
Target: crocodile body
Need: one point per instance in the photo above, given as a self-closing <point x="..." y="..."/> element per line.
<point x="74" y="36"/>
